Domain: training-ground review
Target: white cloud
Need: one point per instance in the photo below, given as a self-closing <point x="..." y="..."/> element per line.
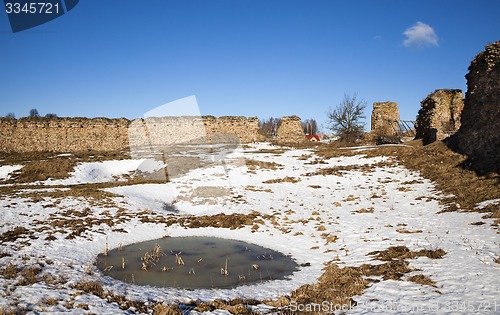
<point x="420" y="34"/>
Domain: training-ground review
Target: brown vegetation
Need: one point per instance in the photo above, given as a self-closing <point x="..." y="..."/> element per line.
<point x="341" y="170"/>
<point x="29" y="275"/>
<point x="14" y="234"/>
<point x="441" y="165"/>
<point x="255" y="164"/>
<point x="339" y="285"/>
<point x="221" y="220"/>
<point x="10" y="271"/>
<point x="422" y="279"/>
<point x="286" y="179"/>
<point x="402" y="252"/>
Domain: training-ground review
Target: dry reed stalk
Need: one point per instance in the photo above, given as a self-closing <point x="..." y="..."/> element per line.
<point x="106" y="247"/>
<point x="178" y="259"/>
<point x="224" y="271"/>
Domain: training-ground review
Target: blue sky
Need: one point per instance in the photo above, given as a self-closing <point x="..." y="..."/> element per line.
<point x="122" y="58"/>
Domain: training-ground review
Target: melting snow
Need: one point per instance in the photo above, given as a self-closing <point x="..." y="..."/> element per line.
<point x="6" y="170"/>
<point x="466" y="277"/>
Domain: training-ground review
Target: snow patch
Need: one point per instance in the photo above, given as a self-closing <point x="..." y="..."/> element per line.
<point x="6" y="170"/>
<point x="100" y="172"/>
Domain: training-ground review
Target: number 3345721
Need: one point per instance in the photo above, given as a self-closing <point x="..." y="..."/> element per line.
<point x="31" y="8"/>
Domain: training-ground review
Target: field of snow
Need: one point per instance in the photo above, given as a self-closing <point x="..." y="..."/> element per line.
<point x="319" y="211"/>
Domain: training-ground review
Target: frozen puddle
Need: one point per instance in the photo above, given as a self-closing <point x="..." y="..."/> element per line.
<point x="195" y="263"/>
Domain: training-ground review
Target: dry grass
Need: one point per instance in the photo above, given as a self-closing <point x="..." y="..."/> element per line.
<point x="10" y="271"/>
<point x="13" y="310"/>
<point x="315" y="186"/>
<point x="304" y="157"/>
<point x="74" y="223"/>
<point x="235" y="306"/>
<point x="50" y="301"/>
<point x="255" y="164"/>
<point x="441" y="165"/>
<point x="4" y="254"/>
<point x="391" y="270"/>
<point x="81" y="156"/>
<point x="221" y="220"/>
<point x="286" y="179"/>
<point x="365" y="210"/>
<point x="162" y="309"/>
<point x="342" y="170"/>
<point x="422" y="279"/>
<point x="257" y="189"/>
<point x="53" y="280"/>
<point x="406" y="231"/>
<point x="329" y="238"/>
<point x="41" y="170"/>
<point x="445" y="168"/>
<point x="316" y="161"/>
<point x="338" y="285"/>
<point x="30" y="275"/>
<point x="14" y="234"/>
<point x="402" y="252"/>
<point x="277" y="151"/>
<point x="92" y="192"/>
<point x="39" y="166"/>
<point x="95" y="288"/>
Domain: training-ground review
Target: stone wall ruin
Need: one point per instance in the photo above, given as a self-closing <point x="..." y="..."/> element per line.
<point x="63" y="134"/>
<point x="479" y="133"/>
<point x="439" y="115"/>
<point x="290" y="130"/>
<point x="103" y="134"/>
<point x="385" y="119"/>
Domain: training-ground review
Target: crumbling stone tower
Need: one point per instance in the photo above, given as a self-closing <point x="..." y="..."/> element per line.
<point x="479" y="135"/>
<point x="385" y="118"/>
<point x="439" y="115"/>
<point x="291" y="130"/>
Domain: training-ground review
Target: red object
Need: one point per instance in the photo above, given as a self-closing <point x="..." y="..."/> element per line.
<point x="313" y="138"/>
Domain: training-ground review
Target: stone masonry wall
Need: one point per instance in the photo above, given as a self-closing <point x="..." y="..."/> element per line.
<point x="291" y="130"/>
<point x="165" y="131"/>
<point x="102" y="134"/>
<point x="385" y="118"/>
<point x="439" y="115"/>
<point x="479" y="133"/>
<point x="63" y="134"/>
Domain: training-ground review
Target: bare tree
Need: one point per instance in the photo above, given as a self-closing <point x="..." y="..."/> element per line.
<point x="310" y="126"/>
<point x="269" y="127"/>
<point x="10" y="115"/>
<point x="345" y="119"/>
<point x="50" y="116"/>
<point x="34" y="113"/>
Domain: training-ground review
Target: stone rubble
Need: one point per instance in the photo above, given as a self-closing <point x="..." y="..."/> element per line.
<point x="439" y="115"/>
